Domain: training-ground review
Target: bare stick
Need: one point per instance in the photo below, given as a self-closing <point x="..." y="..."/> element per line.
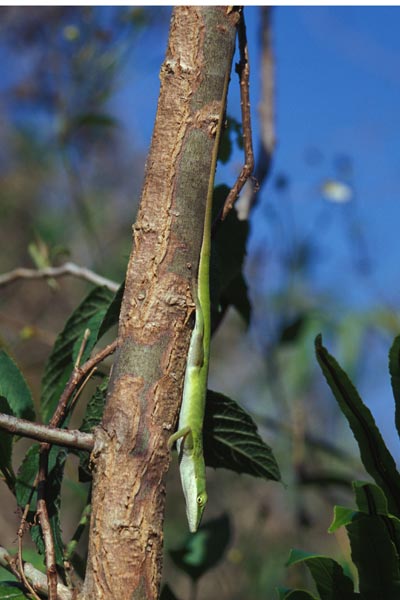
<point x="71" y="438"/>
<point x="67" y="268"/>
<point x="243" y="70"/>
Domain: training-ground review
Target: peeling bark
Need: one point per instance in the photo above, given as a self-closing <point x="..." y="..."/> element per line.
<point x="131" y="456"/>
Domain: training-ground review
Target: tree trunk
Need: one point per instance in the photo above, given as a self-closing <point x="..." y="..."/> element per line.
<point x="125" y="544"/>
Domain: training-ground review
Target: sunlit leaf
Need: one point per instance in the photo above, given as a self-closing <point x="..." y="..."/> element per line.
<point x="375" y="456"/>
<point x="328" y="575"/>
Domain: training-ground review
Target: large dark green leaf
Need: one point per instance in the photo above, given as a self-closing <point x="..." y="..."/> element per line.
<point x="14" y="388"/>
<point x="204" y="549"/>
<point x="231" y="440"/>
<point x="227" y="285"/>
<point x="6" y="448"/>
<point x="394" y="368"/>
<point x="376" y="457"/>
<point x="24" y="487"/>
<point x="328" y="575"/>
<point x="89" y="314"/>
<point x="371" y="500"/>
<point x="375" y="556"/>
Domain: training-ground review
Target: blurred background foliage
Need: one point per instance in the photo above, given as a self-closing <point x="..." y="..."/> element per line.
<point x="71" y="167"/>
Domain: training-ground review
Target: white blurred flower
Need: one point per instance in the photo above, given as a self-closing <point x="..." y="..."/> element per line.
<point x="336" y="191"/>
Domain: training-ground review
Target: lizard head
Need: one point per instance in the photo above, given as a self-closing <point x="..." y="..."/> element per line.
<point x="194" y="489"/>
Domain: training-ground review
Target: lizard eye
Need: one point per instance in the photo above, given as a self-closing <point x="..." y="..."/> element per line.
<point x="202" y="499"/>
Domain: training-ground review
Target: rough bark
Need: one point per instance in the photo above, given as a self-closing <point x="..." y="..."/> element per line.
<point x="125" y="545"/>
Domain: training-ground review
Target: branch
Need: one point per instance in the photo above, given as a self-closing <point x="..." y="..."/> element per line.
<point x="44" y="433"/>
<point x="37" y="579"/>
<point x="243" y="70"/>
<point x="266" y="110"/>
<point x="68" y="268"/>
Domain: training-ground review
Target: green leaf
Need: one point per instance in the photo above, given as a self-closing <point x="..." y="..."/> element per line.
<point x="11" y="591"/>
<point x="14" y="388"/>
<point x="60" y="364"/>
<point x="371" y="500"/>
<point x="328" y="575"/>
<point x="228" y="251"/>
<point x="231" y="440"/>
<point x="341" y="516"/>
<point x="394" y="369"/>
<point x="375" y="456"/>
<point x="93" y="415"/>
<point x="204" y="549"/>
<point x="374" y="555"/>
<point x="24" y="493"/>
<point x="167" y="593"/>
<point x="6" y="448"/>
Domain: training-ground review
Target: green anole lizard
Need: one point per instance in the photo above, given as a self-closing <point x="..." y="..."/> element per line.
<point x="189" y="436"/>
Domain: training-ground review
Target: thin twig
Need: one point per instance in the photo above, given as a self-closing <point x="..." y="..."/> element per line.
<point x="44" y="521"/>
<point x="76" y="377"/>
<point x="266" y="111"/>
<point x="35" y="579"/>
<point x="67" y="268"/>
<point x="41" y="508"/>
<point x="243" y="70"/>
<point x="71" y="438"/>
<point x="78" y="373"/>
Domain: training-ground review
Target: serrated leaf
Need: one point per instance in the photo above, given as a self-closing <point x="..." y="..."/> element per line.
<point x="60" y="364"/>
<point x="11" y="591"/>
<point x="6" y="448"/>
<point x="14" y="388"/>
<point x="204" y="549"/>
<point x="394" y="369"/>
<point x="328" y="575"/>
<point x="375" y="557"/>
<point x="231" y="440"/>
<point x="24" y="487"/>
<point x="374" y="454"/>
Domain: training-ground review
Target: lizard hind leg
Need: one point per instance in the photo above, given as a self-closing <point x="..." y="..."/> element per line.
<point x="181" y="433"/>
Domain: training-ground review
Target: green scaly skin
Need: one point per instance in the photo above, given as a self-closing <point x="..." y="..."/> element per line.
<point x="189" y="436"/>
